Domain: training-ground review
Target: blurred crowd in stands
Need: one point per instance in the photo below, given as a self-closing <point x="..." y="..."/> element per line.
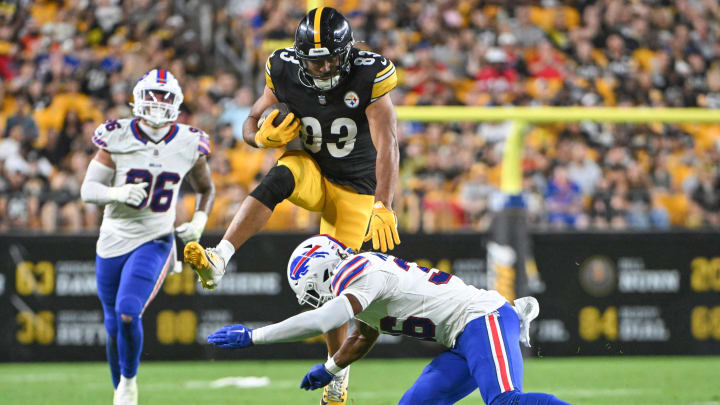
<point x="66" y="66"/>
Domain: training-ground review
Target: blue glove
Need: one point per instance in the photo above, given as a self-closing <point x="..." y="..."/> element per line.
<point x="317" y="377"/>
<point x="232" y="337"/>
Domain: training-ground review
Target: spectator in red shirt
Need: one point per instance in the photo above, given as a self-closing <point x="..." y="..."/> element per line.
<point x="496" y="76"/>
<point x="548" y="64"/>
<point x="427" y="76"/>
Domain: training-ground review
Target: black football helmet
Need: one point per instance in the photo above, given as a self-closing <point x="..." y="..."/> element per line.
<point x="323" y="41"/>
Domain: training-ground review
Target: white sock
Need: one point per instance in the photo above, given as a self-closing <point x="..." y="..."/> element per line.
<point x="126" y="380"/>
<point x="226" y="250"/>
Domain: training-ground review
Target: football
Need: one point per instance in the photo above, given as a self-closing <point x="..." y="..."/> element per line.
<point x="284" y="111"/>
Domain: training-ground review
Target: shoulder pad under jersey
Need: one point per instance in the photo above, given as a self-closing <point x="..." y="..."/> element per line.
<point x="116" y="136"/>
<point x="350" y="270"/>
<point x="379" y="71"/>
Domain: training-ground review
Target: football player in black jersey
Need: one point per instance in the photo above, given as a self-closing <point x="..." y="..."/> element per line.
<point x="348" y="166"/>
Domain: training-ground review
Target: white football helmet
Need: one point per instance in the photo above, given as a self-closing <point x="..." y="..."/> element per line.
<point x="311" y="267"/>
<point x="157" y="98"/>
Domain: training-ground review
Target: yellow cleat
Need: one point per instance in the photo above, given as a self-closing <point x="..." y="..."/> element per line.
<point x="333" y="400"/>
<point x="335" y="393"/>
<point x="208" y="265"/>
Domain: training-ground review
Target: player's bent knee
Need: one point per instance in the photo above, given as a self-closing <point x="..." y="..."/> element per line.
<point x="275" y="187"/>
<point x="128" y="308"/>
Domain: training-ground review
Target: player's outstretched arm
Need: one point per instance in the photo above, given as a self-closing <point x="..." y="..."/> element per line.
<point x="96" y="187"/>
<point x="307" y="324"/>
<point x="356" y="346"/>
<point x="383" y="131"/>
<point x="250" y="126"/>
<point x="201" y="181"/>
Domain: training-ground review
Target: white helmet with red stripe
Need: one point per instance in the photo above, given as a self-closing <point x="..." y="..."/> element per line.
<point x="311" y="267"/>
<point x="157" y="98"/>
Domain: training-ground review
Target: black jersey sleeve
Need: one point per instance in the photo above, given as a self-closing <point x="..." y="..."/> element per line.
<point x="268" y="73"/>
<point x="281" y="73"/>
<point x="385" y="80"/>
<point x="381" y="72"/>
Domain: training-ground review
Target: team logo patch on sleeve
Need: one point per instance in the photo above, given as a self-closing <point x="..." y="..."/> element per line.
<point x="351" y="99"/>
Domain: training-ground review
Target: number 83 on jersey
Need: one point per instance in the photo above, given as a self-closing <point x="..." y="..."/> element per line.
<point x="344" y="128"/>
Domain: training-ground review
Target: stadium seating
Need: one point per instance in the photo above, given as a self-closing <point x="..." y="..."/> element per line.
<point x="66" y="66"/>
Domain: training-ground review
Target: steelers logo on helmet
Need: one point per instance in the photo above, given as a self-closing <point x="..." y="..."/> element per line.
<point x="351" y="99"/>
<point x="323" y="41"/>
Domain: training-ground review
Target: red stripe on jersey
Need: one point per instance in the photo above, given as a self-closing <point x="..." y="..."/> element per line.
<point x="346" y="275"/>
<point x="342" y="271"/>
<point x="356" y="271"/>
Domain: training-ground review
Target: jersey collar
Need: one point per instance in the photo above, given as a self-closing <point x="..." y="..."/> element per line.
<point x="142" y="137"/>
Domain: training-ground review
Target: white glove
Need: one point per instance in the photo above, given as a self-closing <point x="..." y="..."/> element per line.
<point x="191" y="231"/>
<point x="131" y="193"/>
<point x="527" y="309"/>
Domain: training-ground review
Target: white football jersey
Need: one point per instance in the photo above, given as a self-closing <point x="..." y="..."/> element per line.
<point x="138" y="159"/>
<point x="403" y="298"/>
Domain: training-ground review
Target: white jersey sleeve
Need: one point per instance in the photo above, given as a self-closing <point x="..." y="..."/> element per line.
<point x="359" y="280"/>
<point x="331" y="315"/>
<point x="116" y="136"/>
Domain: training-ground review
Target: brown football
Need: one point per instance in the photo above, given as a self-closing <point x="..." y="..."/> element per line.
<point x="284" y="111"/>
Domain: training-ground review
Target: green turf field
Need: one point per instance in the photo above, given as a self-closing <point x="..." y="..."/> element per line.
<point x="616" y="381"/>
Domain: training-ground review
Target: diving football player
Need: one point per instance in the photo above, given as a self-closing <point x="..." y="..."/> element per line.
<point x="386" y="294"/>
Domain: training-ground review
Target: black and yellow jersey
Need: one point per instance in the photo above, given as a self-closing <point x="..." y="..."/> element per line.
<point x="335" y="130"/>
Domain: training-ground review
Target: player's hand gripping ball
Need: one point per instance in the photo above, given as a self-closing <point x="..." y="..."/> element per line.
<point x="277" y="126"/>
<point x="232" y="337"/>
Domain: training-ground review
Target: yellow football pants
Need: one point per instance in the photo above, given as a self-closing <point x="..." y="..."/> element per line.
<point x="345" y="213"/>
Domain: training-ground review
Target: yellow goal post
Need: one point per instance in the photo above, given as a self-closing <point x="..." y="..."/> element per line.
<point x="511" y="178"/>
<point x="557" y="114"/>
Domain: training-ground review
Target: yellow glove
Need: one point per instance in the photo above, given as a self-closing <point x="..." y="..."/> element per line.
<point x="383" y="228"/>
<point x="269" y="136"/>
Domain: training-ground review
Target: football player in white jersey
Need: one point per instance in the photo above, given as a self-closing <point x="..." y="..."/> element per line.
<point x="389" y="295"/>
<point x="136" y="174"/>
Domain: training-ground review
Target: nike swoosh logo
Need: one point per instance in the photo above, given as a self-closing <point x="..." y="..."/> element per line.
<point x="238" y="331"/>
<point x="208" y="258"/>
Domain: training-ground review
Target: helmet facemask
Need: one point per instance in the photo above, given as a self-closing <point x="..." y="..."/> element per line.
<point x="324" y="71"/>
<point x="323" y="41"/>
<point x="157" y="98"/>
<point x="315" y="293"/>
<point x="156" y="107"/>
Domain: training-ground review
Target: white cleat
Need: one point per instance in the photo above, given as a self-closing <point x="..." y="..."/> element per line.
<point x="527" y="309"/>
<point x="335" y="393"/>
<point x="126" y="392"/>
